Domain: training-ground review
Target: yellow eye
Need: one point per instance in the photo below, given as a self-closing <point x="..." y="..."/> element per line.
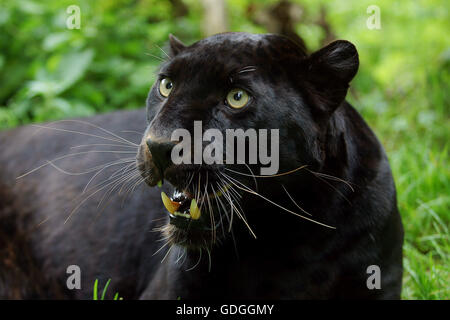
<point x="165" y="87"/>
<point x="237" y="98"/>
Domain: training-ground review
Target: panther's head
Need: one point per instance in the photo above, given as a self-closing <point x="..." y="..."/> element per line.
<point x="237" y="81"/>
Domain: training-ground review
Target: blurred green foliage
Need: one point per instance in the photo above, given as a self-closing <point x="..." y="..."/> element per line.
<point x="48" y="71"/>
<point x="402" y="89"/>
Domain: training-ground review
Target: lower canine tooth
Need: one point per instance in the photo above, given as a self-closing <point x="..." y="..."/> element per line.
<point x="194" y="210"/>
<point x="170" y="205"/>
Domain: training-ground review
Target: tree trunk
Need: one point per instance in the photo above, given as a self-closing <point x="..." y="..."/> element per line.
<point x="215" y="18"/>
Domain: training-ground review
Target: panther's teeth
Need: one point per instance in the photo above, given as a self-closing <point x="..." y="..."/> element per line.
<point x="179" y="214"/>
<point x="194" y="210"/>
<point x="170" y="205"/>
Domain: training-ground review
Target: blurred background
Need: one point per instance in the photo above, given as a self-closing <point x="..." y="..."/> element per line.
<point x="49" y="72"/>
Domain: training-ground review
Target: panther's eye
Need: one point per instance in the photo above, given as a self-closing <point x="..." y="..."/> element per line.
<point x="165" y="86"/>
<point x="237" y="98"/>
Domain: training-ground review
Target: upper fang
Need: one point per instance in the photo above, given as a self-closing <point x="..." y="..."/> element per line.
<point x="170" y="205"/>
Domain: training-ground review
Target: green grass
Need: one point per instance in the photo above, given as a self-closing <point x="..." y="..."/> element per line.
<point x="423" y="198"/>
<point x="105" y="289"/>
<point x="415" y="133"/>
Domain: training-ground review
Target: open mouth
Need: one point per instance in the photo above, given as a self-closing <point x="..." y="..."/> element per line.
<point x="201" y="203"/>
<point x="189" y="211"/>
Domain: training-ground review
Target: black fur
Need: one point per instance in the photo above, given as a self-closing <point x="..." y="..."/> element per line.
<point x="291" y="258"/>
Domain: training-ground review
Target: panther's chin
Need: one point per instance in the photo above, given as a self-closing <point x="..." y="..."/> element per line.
<point x="190" y="239"/>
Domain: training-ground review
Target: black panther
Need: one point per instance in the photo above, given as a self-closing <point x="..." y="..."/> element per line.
<point x="207" y="231"/>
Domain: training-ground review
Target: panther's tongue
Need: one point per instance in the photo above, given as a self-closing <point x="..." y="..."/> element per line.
<point x="173" y="207"/>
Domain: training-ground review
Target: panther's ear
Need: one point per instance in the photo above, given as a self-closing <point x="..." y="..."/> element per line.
<point x="329" y="71"/>
<point x="176" y="46"/>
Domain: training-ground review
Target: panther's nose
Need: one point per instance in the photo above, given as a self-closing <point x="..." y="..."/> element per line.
<point x="161" y="154"/>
